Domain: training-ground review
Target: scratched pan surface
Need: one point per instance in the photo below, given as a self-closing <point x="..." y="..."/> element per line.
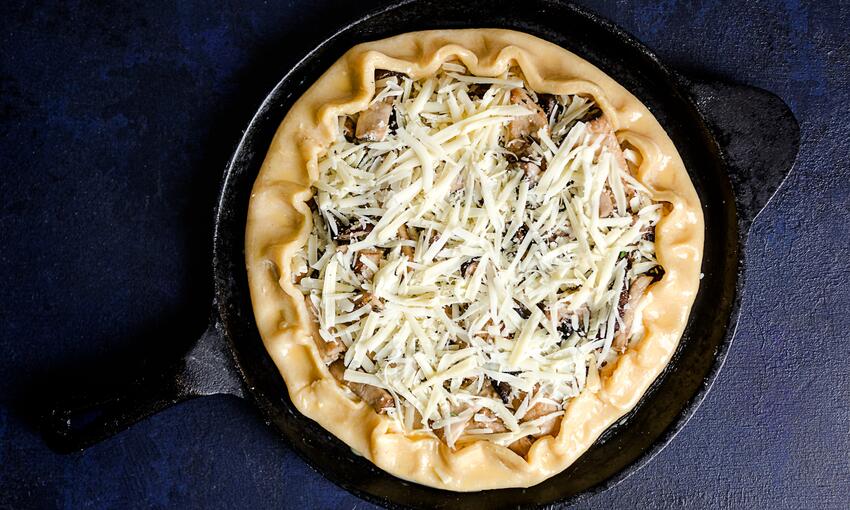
<point x="722" y="132"/>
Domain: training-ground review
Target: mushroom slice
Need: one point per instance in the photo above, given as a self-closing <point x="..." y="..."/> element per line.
<point x="539" y="410"/>
<point x="348" y="129"/>
<point x="404" y="234"/>
<point x="467" y="269"/>
<point x="374" y="122"/>
<point x="601" y="126"/>
<point x="526" y="125"/>
<point x="547" y="103"/>
<point x="521" y="446"/>
<point x="606" y="202"/>
<point x="450" y="433"/>
<point x="636" y="293"/>
<point x="504" y="390"/>
<point x="365" y="260"/>
<point x="531" y="171"/>
<point x="367" y="298"/>
<point x="384" y="74"/>
<point x="355" y="231"/>
<point x="329" y="351"/>
<point x="495" y="425"/>
<point x="379" y="398"/>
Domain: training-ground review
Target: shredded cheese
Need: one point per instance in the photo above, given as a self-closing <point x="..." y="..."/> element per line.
<point x="476" y="268"/>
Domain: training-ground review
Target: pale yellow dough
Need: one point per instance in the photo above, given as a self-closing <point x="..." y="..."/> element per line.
<point x="279" y="222"/>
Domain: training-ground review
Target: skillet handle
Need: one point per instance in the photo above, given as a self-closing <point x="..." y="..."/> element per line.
<point x="758" y="136"/>
<point x="75" y="423"/>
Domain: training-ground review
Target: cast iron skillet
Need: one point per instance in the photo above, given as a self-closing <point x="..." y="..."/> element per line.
<point x="737" y="142"/>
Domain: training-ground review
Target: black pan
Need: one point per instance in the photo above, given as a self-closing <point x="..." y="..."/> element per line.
<point x="737" y="142"/>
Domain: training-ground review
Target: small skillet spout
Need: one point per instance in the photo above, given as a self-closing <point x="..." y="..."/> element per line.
<point x="759" y="138"/>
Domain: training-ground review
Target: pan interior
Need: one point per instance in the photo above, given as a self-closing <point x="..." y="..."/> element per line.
<point x="669" y="402"/>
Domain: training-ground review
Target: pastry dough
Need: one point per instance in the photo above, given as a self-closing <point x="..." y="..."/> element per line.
<point x="279" y="223"/>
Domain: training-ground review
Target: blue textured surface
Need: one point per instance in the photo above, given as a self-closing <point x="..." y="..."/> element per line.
<point x="116" y="125"/>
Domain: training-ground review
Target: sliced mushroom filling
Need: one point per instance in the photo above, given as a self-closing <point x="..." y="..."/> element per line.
<point x="478" y="253"/>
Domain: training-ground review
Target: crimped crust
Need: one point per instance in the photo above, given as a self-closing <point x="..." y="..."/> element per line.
<point x="279" y="222"/>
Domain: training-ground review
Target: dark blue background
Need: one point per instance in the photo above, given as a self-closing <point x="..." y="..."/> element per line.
<point x="116" y="125"/>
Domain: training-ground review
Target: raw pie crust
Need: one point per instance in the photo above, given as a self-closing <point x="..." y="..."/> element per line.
<point x="279" y="223"/>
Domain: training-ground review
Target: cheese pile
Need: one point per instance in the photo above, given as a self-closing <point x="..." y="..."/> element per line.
<point x="469" y="286"/>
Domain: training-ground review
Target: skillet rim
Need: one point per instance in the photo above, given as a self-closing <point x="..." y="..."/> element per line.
<point x="222" y="275"/>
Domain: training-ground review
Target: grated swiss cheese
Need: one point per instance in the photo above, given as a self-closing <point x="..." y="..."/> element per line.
<point x="478" y="277"/>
